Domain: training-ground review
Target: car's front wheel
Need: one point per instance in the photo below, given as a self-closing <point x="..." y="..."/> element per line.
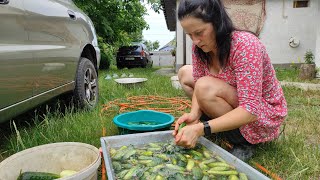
<point x="144" y="63"/>
<point x="86" y="91"/>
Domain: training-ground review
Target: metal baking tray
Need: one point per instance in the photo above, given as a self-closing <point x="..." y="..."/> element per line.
<point x="162" y="136"/>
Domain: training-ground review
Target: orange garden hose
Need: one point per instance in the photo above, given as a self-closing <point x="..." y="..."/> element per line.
<point x="175" y="106"/>
<point x="263" y="169"/>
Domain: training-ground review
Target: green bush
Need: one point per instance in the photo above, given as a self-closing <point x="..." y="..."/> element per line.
<point x="104" y="62"/>
<point x="309" y="57"/>
<point x="107" y="54"/>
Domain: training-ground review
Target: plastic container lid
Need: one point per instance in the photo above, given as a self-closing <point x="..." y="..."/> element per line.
<point x="143" y="120"/>
<point x="130" y="80"/>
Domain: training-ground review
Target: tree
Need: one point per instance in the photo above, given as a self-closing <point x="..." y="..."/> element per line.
<point x="155" y="5"/>
<point x="116" y="21"/>
<point x="152" y="45"/>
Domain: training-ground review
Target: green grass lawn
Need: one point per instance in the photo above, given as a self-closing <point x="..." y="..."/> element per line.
<point x="295" y="155"/>
<point x="292" y="75"/>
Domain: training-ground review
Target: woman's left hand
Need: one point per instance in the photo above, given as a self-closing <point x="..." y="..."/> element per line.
<point x="188" y="136"/>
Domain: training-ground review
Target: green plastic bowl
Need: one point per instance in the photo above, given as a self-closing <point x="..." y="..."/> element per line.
<point x="143" y="120"/>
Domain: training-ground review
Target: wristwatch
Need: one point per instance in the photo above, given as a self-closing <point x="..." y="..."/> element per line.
<point x="206" y="128"/>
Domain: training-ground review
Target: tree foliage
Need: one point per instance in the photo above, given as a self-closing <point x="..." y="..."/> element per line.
<point x="152" y="45"/>
<point x="116" y="21"/>
<point x="155" y="5"/>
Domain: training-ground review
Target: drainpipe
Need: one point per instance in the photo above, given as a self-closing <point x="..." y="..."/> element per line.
<point x="283" y="9"/>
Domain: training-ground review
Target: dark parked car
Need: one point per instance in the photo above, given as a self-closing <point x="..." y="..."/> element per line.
<point x="47" y="48"/>
<point x="135" y="55"/>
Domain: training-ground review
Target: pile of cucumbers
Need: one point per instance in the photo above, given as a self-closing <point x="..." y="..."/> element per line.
<point x="165" y="160"/>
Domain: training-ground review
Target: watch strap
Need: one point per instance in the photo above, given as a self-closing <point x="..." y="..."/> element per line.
<point x="206" y="128"/>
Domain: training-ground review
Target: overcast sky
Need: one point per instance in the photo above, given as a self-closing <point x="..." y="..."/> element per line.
<point x="158" y="28"/>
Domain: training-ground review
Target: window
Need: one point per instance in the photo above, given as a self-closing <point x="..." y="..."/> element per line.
<point x="300" y="4"/>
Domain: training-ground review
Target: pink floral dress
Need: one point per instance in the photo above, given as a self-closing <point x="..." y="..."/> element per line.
<point x="259" y="92"/>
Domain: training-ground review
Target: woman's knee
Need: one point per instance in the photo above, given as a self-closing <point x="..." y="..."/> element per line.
<point x="206" y="89"/>
<point x="213" y="89"/>
<point x="185" y="73"/>
<point x="186" y="79"/>
<point x="185" y="76"/>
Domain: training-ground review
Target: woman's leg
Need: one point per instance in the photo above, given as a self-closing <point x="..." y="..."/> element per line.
<point x="186" y="79"/>
<point x="215" y="97"/>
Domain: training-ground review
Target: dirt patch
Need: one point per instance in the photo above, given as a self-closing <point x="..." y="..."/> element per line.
<point x="166" y="71"/>
<point x="313" y="140"/>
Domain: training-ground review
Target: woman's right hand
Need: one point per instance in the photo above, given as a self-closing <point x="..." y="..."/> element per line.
<point x="188" y="118"/>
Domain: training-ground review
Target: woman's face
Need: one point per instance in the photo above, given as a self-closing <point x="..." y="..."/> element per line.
<point x="202" y="33"/>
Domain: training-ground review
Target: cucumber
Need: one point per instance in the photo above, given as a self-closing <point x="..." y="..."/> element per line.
<point x="116" y="166"/>
<point x="220" y="164"/>
<point x="196" y="155"/>
<point x="205" y="178"/>
<point x="132" y="172"/>
<point x="233" y="172"/>
<point x="120" y="153"/>
<point x="122" y="173"/>
<point x="181" y="157"/>
<point x="233" y="177"/>
<point x="179" y="176"/>
<point x="197" y="173"/>
<point x="129" y="153"/>
<point x="220" y="168"/>
<point x="181" y="163"/>
<point x="37" y="176"/>
<point x="155" y="161"/>
<point x="243" y="176"/>
<point x="175" y="167"/>
<point x="190" y="164"/>
<point x="181" y="126"/>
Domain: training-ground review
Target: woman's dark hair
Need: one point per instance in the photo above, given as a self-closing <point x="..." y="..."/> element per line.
<point x="210" y="11"/>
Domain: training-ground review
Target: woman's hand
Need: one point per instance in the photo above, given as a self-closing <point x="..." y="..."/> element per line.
<point x="188" y="118"/>
<point x="188" y="136"/>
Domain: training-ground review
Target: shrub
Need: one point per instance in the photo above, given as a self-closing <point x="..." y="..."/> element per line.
<point x="309" y="57"/>
<point x="107" y="54"/>
<point x="104" y="62"/>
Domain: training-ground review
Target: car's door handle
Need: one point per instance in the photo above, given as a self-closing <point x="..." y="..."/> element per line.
<point x="72" y="15"/>
<point x="4" y="1"/>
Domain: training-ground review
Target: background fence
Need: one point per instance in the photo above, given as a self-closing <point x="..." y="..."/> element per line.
<point x="162" y="58"/>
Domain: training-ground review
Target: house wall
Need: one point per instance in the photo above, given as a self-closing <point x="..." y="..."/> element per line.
<point x="189" y="50"/>
<point x="180" y="51"/>
<point x="283" y="22"/>
<point x="317" y="51"/>
<point x="183" y="57"/>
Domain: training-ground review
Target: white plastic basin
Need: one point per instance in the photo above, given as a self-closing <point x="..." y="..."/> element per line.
<point x="54" y="158"/>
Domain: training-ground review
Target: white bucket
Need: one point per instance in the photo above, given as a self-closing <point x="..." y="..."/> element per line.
<point x="175" y="82"/>
<point x="54" y="158"/>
